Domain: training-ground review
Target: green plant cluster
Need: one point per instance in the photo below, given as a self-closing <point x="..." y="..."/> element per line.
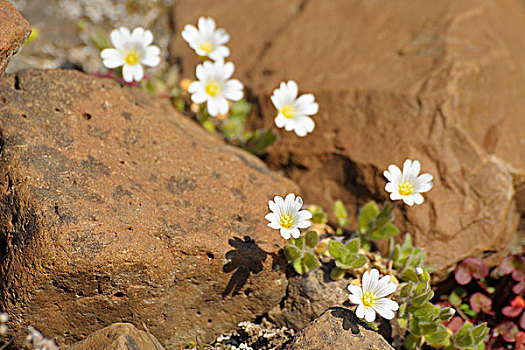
<point x="417" y="314"/>
<point x="300" y="252"/>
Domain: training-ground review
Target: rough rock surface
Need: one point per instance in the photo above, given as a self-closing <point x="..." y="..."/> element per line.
<point x="119" y="336"/>
<point x="115" y="208"/>
<point x="440" y="82"/>
<point x="14" y="30"/>
<point x="307" y="297"/>
<point x="337" y="328"/>
<point x="249" y="39"/>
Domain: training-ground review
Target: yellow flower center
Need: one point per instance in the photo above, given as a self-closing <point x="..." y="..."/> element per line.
<point x="206" y="47"/>
<point x="287" y="111"/>
<point x="405" y="188"/>
<point x="212" y="88"/>
<point x="131" y="57"/>
<point x="368" y="299"/>
<point x="286" y="221"/>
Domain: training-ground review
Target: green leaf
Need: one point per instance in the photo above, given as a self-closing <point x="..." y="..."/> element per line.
<point x="420" y="299"/>
<point x="427" y="327"/>
<point x="351" y="261"/>
<point x="437" y="337"/>
<point x="353" y="245"/>
<point x="368" y="213"/>
<point x="406" y="289"/>
<point x="446" y="314"/>
<point x="339" y="210"/>
<point x="479" y="332"/>
<point x="464" y="336"/>
<point x="455" y="299"/>
<point x="299" y="267"/>
<point x="100" y="39"/>
<point x="311" y="261"/>
<point x="412" y="341"/>
<point x="402" y="310"/>
<point x="334" y="247"/>
<point x="423" y="310"/>
<point x="292" y="253"/>
<point x="311" y="239"/>
<point x="299" y="242"/>
<point x="387" y="231"/>
<point x="409" y="274"/>
<point x="240" y="108"/>
<point x="337" y="273"/>
<point x="318" y="215"/>
<point x="259" y="141"/>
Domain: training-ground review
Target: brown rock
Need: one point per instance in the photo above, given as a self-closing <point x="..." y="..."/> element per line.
<point x="14" y="30"/>
<point x="119" y="336"/>
<point x="249" y="39"/>
<point x="337" y="328"/>
<point x="115" y="208"/>
<point x="440" y="82"/>
<point x="307" y="297"/>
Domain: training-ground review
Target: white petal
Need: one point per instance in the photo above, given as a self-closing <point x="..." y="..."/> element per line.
<point x="395" y="196"/>
<point x="210" y="24"/>
<point x="272" y="217"/>
<point x="273" y="207"/>
<point x="407" y="168"/>
<point x="285" y="233"/>
<point x="219" y="53"/>
<point x="385" y="287"/>
<point x="390" y="187"/>
<point x="152" y="56"/>
<point x="233" y="90"/>
<point x="289" y="201"/>
<point x="137" y="71"/>
<point x="221" y="36"/>
<point x="418" y="199"/>
<point x="370" y="314"/>
<point x="355" y="290"/>
<point x="305" y="105"/>
<point x="408" y="200"/>
<point x="295" y="232"/>
<point x="360" y="311"/>
<point x="274" y="225"/>
<point x="280" y="120"/>
<point x="202" y="24"/>
<point x="307" y="123"/>
<point x="213" y="106"/>
<point x="395" y="173"/>
<point x="386" y="307"/>
<point x="127" y="73"/>
<point x="300" y="130"/>
<point x="423" y="187"/>
<point x="303" y="224"/>
<point x="305" y="215"/>
<point x="416" y="168"/>
<point x="425" y="178"/>
<point x="199" y="72"/>
<point x="222" y="105"/>
<point x="291" y="90"/>
<point x="120" y="38"/>
<point x="111" y="58"/>
<point x="190" y="33"/>
<point x="198" y="95"/>
<point x="370" y="279"/>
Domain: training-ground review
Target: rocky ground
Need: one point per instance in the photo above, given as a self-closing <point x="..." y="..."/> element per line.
<point x="115" y="207"/>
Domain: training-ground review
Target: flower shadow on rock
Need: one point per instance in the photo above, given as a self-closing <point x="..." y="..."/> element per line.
<point x="247" y="258"/>
<point x="350" y="320"/>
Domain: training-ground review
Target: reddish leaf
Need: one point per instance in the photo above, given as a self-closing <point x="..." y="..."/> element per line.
<point x="515" y="265"/>
<point x="516" y="307"/>
<point x="454" y="324"/>
<point x="520" y="341"/>
<point x="507" y="330"/>
<point x="481" y="302"/>
<point x="519" y="288"/>
<point x="468" y="268"/>
<point x="522" y="321"/>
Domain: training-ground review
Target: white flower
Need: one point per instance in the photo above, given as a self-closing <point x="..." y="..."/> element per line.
<point x="215" y="87"/>
<point x="207" y="41"/>
<point x="407" y="185"/>
<point x="419" y="271"/>
<point x="293" y="112"/>
<point x="287" y="215"/>
<point x="370" y="298"/>
<point x="131" y="51"/>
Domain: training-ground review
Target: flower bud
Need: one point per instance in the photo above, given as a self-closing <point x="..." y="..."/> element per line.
<point x="4" y="317"/>
<point x="3" y="329"/>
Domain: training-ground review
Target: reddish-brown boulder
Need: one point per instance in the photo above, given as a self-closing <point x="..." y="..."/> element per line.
<point x="116" y="208"/>
<point x="441" y="82"/>
<point x="249" y="39"/>
<point x="119" y="336"/>
<point x="337" y="328"/>
<point x="14" y="30"/>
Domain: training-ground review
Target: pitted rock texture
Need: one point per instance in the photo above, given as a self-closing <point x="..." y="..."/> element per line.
<point x="119" y="336"/>
<point x="307" y="297"/>
<point x="440" y="82"/>
<point x="337" y="328"/>
<point x="14" y="30"/>
<point x="115" y="208"/>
